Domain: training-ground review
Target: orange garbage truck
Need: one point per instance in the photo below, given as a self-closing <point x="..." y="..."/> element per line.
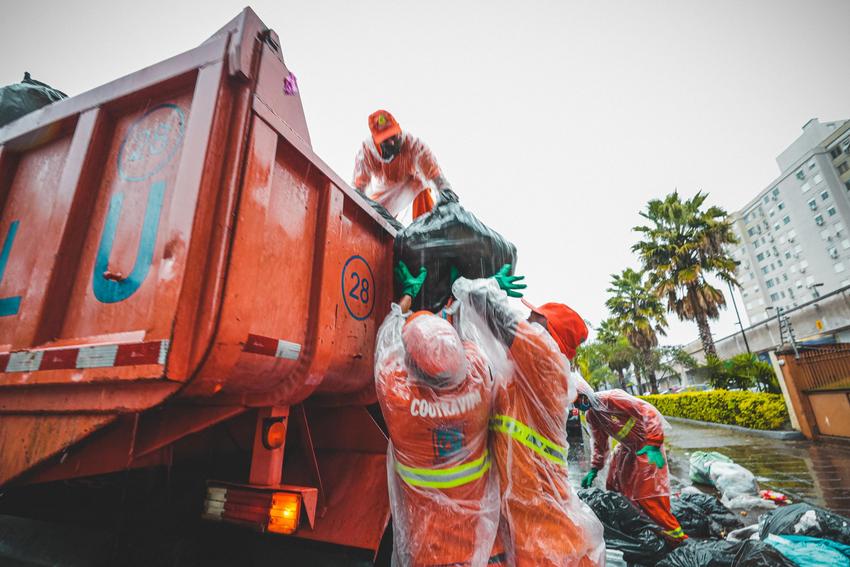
<point x="178" y="265"/>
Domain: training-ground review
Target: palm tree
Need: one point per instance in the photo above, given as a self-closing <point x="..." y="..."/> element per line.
<point x="681" y="245"/>
<point x="639" y="315"/>
<point x="590" y="361"/>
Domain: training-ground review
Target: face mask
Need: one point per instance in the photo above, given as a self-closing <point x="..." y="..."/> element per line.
<point x="583" y="405"/>
<point x="390" y="148"/>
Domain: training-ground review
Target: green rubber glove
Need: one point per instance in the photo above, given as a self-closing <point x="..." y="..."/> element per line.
<point x="410" y="285"/>
<point x="588" y="479"/>
<point x="653" y="455"/>
<point x="508" y="282"/>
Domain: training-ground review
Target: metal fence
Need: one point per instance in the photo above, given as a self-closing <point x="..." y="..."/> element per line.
<point x="824" y="368"/>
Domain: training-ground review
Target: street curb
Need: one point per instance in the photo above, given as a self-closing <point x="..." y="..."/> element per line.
<point x="783" y="435"/>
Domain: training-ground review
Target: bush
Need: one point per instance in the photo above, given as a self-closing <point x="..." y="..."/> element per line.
<point x="748" y="409"/>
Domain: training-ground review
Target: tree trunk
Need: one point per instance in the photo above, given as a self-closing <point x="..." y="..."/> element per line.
<point x="638" y="379"/>
<point x="705" y="336"/>
<point x="622" y="376"/>
<point x="650" y="372"/>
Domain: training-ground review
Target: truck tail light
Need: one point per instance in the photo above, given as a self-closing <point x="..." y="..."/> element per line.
<point x="284" y="512"/>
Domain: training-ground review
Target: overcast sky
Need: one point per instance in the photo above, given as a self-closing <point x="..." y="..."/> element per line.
<point x="554" y="121"/>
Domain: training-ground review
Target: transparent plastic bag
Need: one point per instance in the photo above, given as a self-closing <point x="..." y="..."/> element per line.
<point x="544" y="521"/>
<point x="435" y="393"/>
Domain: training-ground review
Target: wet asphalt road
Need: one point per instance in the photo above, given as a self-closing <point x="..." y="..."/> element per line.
<point x="818" y="473"/>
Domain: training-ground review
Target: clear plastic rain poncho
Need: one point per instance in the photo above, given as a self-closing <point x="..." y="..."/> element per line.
<point x="396" y="182"/>
<point x="435" y="393"/>
<point x="633" y="423"/>
<point x="544" y="523"/>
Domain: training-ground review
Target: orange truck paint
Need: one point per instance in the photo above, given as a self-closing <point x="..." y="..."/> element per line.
<point x="169" y="240"/>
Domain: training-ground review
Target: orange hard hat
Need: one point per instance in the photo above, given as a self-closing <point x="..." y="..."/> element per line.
<point x="434" y="347"/>
<point x="565" y="325"/>
<point x="383" y="126"/>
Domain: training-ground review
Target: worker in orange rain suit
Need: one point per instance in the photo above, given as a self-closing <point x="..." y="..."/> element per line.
<point x="544" y="522"/>
<point x="395" y="168"/>
<point x="435" y="393"/>
<point x="638" y="467"/>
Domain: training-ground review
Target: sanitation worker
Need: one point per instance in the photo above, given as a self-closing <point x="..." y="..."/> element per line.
<point x="435" y="393"/>
<point x="395" y="168"/>
<point x="544" y="521"/>
<point x="638" y="467"/>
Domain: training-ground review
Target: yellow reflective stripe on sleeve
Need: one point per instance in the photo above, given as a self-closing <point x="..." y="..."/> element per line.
<point x="621" y="434"/>
<point x="445" y="478"/>
<point x="530" y="438"/>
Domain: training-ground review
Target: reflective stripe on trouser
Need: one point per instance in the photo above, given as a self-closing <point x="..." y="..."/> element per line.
<point x="530" y="438"/>
<point x="621" y="434"/>
<point x="445" y="478"/>
<point x="678" y="533"/>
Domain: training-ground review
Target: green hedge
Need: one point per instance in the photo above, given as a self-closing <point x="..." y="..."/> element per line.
<point x="748" y="409"/>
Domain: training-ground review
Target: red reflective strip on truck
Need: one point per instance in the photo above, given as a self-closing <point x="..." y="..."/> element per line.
<point x="100" y="356"/>
<point x="268" y="346"/>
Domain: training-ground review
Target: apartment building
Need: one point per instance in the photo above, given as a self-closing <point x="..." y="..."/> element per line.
<point x="794" y="238"/>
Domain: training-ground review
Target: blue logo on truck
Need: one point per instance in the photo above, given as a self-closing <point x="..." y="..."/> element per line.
<point x="147" y="148"/>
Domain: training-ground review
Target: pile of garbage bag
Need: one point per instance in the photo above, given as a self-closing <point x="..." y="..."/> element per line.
<point x="627" y="529"/>
<point x="450" y="242"/>
<point x="702" y="515"/>
<point x="19" y="99"/>
<point x="805" y="520"/>
<point x="722" y="553"/>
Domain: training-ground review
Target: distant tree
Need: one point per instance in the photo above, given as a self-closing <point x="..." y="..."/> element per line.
<point x="592" y="363"/>
<point x="741" y="372"/>
<point x="681" y="245"/>
<point x="670" y="360"/>
<point x="638" y="315"/>
<point x="616" y="349"/>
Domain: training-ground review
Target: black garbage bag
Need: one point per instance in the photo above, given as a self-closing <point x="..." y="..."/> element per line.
<point x="805" y="519"/>
<point x="381" y="210"/>
<point x="447" y="236"/>
<point x="24" y="97"/>
<point x="703" y="515"/>
<point x="626" y="528"/>
<point x="721" y="553"/>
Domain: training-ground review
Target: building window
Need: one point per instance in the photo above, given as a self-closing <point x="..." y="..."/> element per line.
<point x="769" y="283"/>
<point x="842" y="167"/>
<point x="824" y="195"/>
<point x="776" y="226"/>
<point x="775" y="191"/>
<point x="760" y="256"/>
<point x="785" y="277"/>
<point x="813" y="205"/>
<point x="787" y="255"/>
<point x="839" y="267"/>
<point x="819" y="220"/>
<point x="835" y="152"/>
<point x="812" y="164"/>
<point x="774" y="297"/>
<point x="833" y="252"/>
<point x="801" y="175"/>
<point x="779" y="263"/>
<point x="780" y="206"/>
<point x="751" y="231"/>
<point x="764" y="270"/>
<point x="831" y="211"/>
<point x="786" y="220"/>
<point x="847" y="184"/>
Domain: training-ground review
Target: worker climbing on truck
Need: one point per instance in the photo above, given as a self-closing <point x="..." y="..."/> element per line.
<point x="544" y="521"/>
<point x="638" y="468"/>
<point x="395" y="168"/>
<point x="435" y="394"/>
